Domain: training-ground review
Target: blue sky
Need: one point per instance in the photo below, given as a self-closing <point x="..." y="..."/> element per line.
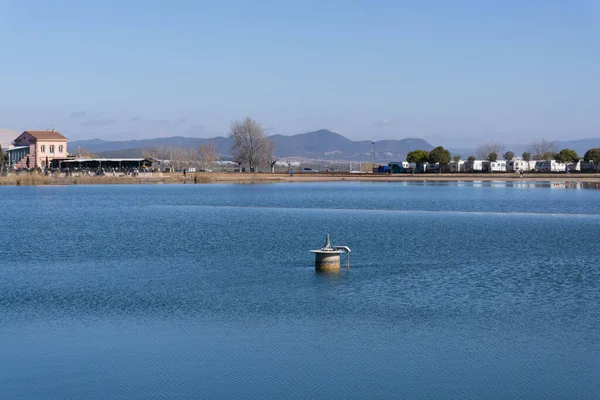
<point x="456" y="73"/>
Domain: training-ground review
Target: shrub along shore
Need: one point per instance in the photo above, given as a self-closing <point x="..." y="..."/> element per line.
<point x="224" y="177"/>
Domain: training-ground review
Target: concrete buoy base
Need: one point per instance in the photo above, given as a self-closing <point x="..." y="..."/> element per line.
<point x="327" y="258"/>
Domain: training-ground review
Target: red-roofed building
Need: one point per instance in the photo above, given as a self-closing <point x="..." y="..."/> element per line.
<point x="39" y="147"/>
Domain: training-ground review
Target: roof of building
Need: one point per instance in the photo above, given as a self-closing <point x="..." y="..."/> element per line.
<point x="46" y="135"/>
<point x="73" y="160"/>
<point x="15" y="148"/>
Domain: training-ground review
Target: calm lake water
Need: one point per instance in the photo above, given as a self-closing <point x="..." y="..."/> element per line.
<point x="456" y="290"/>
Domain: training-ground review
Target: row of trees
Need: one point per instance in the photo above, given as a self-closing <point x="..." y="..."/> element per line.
<point x="183" y="157"/>
<point x="563" y="156"/>
<point x="539" y="150"/>
<point x="438" y="155"/>
<point x="249" y="147"/>
<point x="442" y="156"/>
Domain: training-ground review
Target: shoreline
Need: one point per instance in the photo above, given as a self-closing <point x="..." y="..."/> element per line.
<point x="248" y="178"/>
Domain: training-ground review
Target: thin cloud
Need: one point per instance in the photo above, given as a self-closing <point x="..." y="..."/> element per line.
<point x="174" y="123"/>
<point x="78" y="114"/>
<point x="160" y="122"/>
<point x="99" y="122"/>
<point x="195" y="130"/>
<point x="387" y="122"/>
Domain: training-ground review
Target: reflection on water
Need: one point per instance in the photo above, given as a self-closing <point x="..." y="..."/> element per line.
<point x="454" y="290"/>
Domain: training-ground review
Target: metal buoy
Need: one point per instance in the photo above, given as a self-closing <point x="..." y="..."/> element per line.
<point x="327" y="258"/>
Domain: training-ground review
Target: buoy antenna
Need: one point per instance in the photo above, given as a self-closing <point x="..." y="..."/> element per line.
<point x="327" y="242"/>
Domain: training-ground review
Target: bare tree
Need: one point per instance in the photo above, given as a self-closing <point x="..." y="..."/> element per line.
<point x="250" y="146"/>
<point x="81" y="152"/>
<point x="543" y="149"/>
<point x="157" y="152"/>
<point x="484" y="150"/>
<point x="207" y="154"/>
<point x="160" y="157"/>
<point x="271" y="160"/>
<point x="148" y="154"/>
<point x="272" y="165"/>
<point x="181" y="157"/>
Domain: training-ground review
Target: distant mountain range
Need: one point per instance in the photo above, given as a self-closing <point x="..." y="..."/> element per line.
<point x="319" y="145"/>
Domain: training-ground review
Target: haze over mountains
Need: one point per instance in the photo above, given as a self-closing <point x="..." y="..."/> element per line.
<point x="318" y="145"/>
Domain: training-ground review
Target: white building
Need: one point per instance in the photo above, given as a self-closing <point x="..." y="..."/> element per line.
<point x="550" y="166"/>
<point x="574" y="166"/>
<point x="474" y="166"/>
<point x="454" y="166"/>
<point x="497" y="166"/>
<point x="519" y="164"/>
<point x="429" y="167"/>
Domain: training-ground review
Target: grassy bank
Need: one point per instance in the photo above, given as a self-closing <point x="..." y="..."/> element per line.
<point x="220" y="177"/>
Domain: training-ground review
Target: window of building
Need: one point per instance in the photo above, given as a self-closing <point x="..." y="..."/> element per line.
<point x="51" y="148"/>
<point x="43" y="148"/>
<point x="60" y="148"/>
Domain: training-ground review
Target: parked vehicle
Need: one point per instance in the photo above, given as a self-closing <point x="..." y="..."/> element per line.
<point x="401" y="167"/>
<point x="550" y="166"/>
<point x="497" y="166"/>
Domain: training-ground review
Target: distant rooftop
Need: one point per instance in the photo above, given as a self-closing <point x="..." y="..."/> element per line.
<point x="82" y="159"/>
<point x="46" y="135"/>
<point x="7" y="136"/>
<point x="15" y="148"/>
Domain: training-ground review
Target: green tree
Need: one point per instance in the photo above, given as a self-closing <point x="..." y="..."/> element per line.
<point x="417" y="156"/>
<point x="593" y="156"/>
<point x="1" y="156"/>
<point x="566" y="156"/>
<point x="439" y="155"/>
<point x="456" y="158"/>
<point x="509" y="155"/>
<point x="547" y="156"/>
<point x="492" y="157"/>
<point x="526" y="156"/>
<point x="471" y="159"/>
